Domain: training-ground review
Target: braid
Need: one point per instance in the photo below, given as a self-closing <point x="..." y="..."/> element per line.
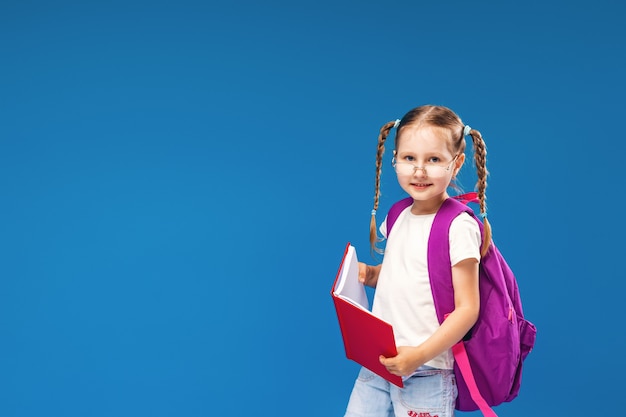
<point x="380" y="150"/>
<point x="480" y="159"/>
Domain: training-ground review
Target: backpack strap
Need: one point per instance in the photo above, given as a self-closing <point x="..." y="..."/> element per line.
<point x="462" y="361"/>
<point x="439" y="268"/>
<point x="440" y="275"/>
<point x="467" y="198"/>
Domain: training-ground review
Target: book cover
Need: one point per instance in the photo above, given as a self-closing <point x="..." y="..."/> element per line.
<point x="365" y="336"/>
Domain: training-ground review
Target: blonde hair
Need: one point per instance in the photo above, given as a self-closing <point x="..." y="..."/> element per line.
<point x="441" y="117"/>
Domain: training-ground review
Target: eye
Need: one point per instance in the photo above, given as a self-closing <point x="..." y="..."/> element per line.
<point x="434" y="160"/>
<point x="408" y="158"/>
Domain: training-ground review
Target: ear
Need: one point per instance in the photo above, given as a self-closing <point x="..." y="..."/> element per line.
<point x="458" y="164"/>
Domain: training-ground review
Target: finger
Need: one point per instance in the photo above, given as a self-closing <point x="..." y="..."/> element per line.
<point x="362" y="271"/>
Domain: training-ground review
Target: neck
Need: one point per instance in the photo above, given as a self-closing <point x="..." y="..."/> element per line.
<point x="430" y="206"/>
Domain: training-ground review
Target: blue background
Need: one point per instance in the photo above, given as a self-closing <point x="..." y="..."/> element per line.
<point x="179" y="180"/>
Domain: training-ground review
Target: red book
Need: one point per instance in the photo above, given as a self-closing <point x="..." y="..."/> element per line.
<point x="365" y="336"/>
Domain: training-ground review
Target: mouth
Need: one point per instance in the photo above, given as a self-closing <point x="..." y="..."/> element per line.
<point x="419" y="185"/>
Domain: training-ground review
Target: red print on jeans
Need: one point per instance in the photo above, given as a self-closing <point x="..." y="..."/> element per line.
<point x="412" y="413"/>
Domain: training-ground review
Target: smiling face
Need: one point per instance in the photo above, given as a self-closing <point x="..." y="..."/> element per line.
<point x="425" y="165"/>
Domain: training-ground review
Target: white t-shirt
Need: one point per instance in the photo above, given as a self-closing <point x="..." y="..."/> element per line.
<point x="403" y="296"/>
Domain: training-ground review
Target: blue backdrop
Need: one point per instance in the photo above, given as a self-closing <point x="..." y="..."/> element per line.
<point x="179" y="180"/>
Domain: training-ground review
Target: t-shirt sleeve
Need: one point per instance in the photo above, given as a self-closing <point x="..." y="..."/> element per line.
<point x="465" y="240"/>
<point x="383" y="228"/>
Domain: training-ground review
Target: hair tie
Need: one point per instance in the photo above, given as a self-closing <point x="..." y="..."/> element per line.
<point x="395" y="125"/>
<point x="373" y="212"/>
<point x="483" y="215"/>
<point x="466" y="130"/>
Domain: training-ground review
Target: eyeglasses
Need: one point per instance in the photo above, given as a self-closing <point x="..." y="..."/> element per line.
<point x="429" y="169"/>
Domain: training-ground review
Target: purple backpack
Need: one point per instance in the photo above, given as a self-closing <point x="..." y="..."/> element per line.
<point x="488" y="361"/>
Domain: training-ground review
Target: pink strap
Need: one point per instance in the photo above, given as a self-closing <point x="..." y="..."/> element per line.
<point x="460" y="356"/>
<point x="467" y="198"/>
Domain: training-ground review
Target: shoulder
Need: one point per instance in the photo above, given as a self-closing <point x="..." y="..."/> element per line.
<point x="396" y="219"/>
<point x="465" y="239"/>
<point x="465" y="220"/>
<point x="396" y="210"/>
<point x="465" y="232"/>
<point x="465" y="224"/>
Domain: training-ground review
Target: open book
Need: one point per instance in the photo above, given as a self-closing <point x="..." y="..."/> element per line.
<point x="365" y="336"/>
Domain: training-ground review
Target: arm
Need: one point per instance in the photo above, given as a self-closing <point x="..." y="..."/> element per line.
<point x="458" y="323"/>
<point x="368" y="274"/>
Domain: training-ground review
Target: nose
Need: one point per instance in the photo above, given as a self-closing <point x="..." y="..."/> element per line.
<point x="421" y="170"/>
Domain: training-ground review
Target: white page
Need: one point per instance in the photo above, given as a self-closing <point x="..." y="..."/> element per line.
<point x="348" y="286"/>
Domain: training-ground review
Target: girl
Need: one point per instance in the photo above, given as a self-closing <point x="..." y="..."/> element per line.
<point x="429" y="152"/>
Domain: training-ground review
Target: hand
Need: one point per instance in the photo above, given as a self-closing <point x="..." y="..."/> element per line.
<point x="368" y="274"/>
<point x="404" y="363"/>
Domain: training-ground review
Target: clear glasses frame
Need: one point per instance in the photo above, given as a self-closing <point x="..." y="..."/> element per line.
<point x="409" y="168"/>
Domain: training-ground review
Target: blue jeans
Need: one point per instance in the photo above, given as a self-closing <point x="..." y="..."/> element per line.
<point x="429" y="392"/>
